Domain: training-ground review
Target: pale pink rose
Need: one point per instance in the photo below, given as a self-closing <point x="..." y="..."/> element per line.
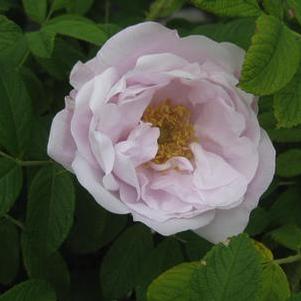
<point x="146" y="91"/>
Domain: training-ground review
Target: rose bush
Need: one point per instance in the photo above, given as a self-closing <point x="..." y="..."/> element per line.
<point x="157" y="127"/>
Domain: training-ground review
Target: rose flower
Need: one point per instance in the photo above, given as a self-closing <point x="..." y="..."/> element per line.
<point x="157" y="127"/>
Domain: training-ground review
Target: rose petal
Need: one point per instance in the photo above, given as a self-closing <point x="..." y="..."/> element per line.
<point x="90" y="178"/>
<point x="61" y="146"/>
<point x="226" y="223"/>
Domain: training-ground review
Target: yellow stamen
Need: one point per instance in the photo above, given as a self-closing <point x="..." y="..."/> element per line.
<point x="176" y="130"/>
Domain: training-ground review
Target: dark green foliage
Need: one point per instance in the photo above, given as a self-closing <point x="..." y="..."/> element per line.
<point x="57" y="243"/>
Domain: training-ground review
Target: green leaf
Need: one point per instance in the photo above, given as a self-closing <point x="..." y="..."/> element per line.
<point x="176" y="284"/>
<point x="164" y="8"/>
<point x="77" y="27"/>
<point x="64" y="56"/>
<point x="274" y="8"/>
<point x="288" y="236"/>
<point x="13" y="45"/>
<point x="275" y="286"/>
<point x="295" y="298"/>
<point x="30" y="290"/>
<point x="293" y="273"/>
<point x="58" y="4"/>
<point x="6" y="4"/>
<point x="50" y="210"/>
<point x="238" y="31"/>
<point x="36" y="10"/>
<point x="10" y="184"/>
<point x="289" y="163"/>
<point x="259" y="220"/>
<point x="80" y="7"/>
<point x="94" y="227"/>
<point x="231" y="272"/>
<point x="296" y="8"/>
<point x="235" y="8"/>
<point x="9" y="252"/>
<point x="109" y="28"/>
<point x="10" y="32"/>
<point x="51" y="268"/>
<point x="287" y="208"/>
<point x="167" y="254"/>
<point x="195" y="246"/>
<point x="121" y="266"/>
<point x="15" y="113"/>
<point x="272" y="59"/>
<point x="41" y="43"/>
<point x="37" y="92"/>
<point x="287" y="102"/>
<point x="280" y="135"/>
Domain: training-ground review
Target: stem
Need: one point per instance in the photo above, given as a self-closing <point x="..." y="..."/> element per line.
<point x="2" y="154"/>
<point x="34" y="163"/>
<point x="25" y="163"/>
<point x="23" y="59"/>
<point x="49" y="14"/>
<point x="14" y="221"/>
<point x="289" y="259"/>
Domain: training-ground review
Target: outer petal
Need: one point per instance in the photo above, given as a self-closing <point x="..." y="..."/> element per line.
<point x="61" y="146"/>
<point x="91" y="92"/>
<point x="123" y="49"/>
<point x="231" y="222"/>
<point x="83" y="72"/>
<point x="236" y="56"/>
<point x="265" y="172"/>
<point x="175" y="225"/>
<point x="90" y="178"/>
<point x="226" y="223"/>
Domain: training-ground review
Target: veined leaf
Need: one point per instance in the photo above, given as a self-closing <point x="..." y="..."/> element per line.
<point x="296" y="7"/>
<point x="49" y="211"/>
<point x="231" y="272"/>
<point x="77" y="27"/>
<point x="9" y="252"/>
<point x="275" y="286"/>
<point x="272" y="59"/>
<point x="30" y="290"/>
<point x="175" y="284"/>
<point x="36" y="10"/>
<point x="238" y="31"/>
<point x="94" y="227"/>
<point x="164" y="8"/>
<point x="52" y="269"/>
<point x="287" y="102"/>
<point x="41" y="43"/>
<point x="288" y="236"/>
<point x="242" y="8"/>
<point x="10" y="184"/>
<point x="289" y="163"/>
<point x="128" y="252"/>
<point x="10" y="32"/>
<point x="15" y="113"/>
<point x="80" y="7"/>
<point x="287" y="208"/>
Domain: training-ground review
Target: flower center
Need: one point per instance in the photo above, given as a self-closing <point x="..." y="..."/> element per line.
<point x="176" y="130"/>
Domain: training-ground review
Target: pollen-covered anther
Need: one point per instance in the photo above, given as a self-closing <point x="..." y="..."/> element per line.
<point x="176" y="130"/>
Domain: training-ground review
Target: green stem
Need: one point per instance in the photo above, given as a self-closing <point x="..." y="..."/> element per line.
<point x="25" y="163"/>
<point x="34" y="163"/>
<point x="23" y="59"/>
<point x="14" y="221"/>
<point x="289" y="259"/>
<point x="2" y="154"/>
